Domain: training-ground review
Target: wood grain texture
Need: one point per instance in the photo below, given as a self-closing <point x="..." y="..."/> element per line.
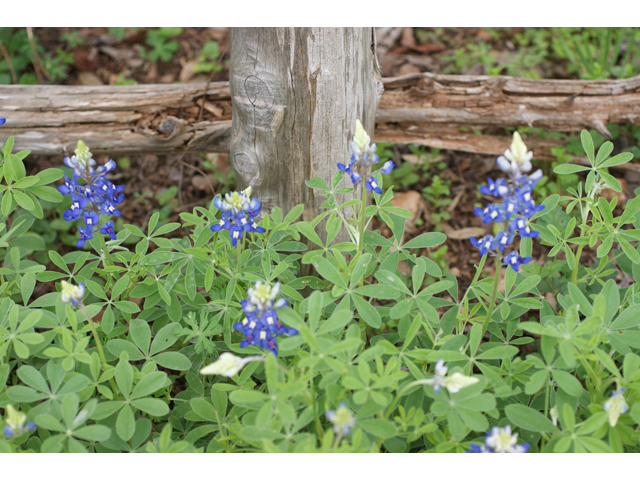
<point x="425" y="109"/>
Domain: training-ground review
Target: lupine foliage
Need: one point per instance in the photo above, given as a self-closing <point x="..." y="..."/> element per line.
<point x="215" y="342"/>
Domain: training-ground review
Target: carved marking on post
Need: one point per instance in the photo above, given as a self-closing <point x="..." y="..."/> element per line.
<point x="258" y="92"/>
<point x="246" y="167"/>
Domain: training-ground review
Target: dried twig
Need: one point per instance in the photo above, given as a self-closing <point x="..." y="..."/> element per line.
<point x="37" y="63"/>
<point x="6" y="56"/>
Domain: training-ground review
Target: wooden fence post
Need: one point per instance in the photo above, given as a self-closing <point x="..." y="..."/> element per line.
<point x="296" y="95"/>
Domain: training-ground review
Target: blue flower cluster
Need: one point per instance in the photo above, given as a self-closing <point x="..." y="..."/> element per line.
<point x="500" y="440"/>
<point x="95" y="196"/>
<point x="261" y="325"/>
<point x="239" y="211"/>
<point x="517" y="207"/>
<point x="2" y="120"/>
<point x="15" y="423"/>
<point x="363" y="157"/>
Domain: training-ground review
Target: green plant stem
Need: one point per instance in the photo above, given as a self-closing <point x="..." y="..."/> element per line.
<point x="336" y="441"/>
<point x="106" y="251"/>
<point x="9" y="351"/>
<point x="362" y="218"/>
<point x="479" y="268"/>
<point x="239" y="252"/>
<point x="494" y="293"/>
<point x="594" y="378"/>
<point x="105" y="365"/>
<point x="315" y="408"/>
<point x="574" y="274"/>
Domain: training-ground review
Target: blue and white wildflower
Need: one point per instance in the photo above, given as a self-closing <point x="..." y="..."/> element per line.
<point x="513" y="214"/>
<point x="516" y="159"/>
<point x="500" y="440"/>
<point x="615" y="406"/>
<point x="228" y="365"/>
<point x="363" y="157"/>
<point x="485" y="244"/>
<point x="94" y="196"/>
<point x="239" y="211"/>
<point x="342" y="419"/>
<point x="514" y="260"/>
<point x="72" y="293"/>
<point x="16" y="423"/>
<point x="261" y="325"/>
<point x="453" y="383"/>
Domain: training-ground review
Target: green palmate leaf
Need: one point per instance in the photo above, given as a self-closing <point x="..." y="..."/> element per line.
<point x="173" y="361"/>
<point x="587" y="145"/>
<point x="328" y="271"/>
<point x="612" y="182"/>
<point x="49" y="423"/>
<point x="152" y="406"/>
<point x="619" y="159"/>
<point x="149" y="384"/>
<point x="630" y="317"/>
<point x="425" y="240"/>
<point x="125" y="423"/>
<point x="204" y="409"/>
<point x="124" y="376"/>
<point x="367" y="312"/>
<point x="93" y="433"/>
<point x="567" y="382"/>
<point x="317" y="183"/>
<point x="247" y="396"/>
<point x="567" y="168"/>
<point x="379" y="428"/>
<point x="603" y="152"/>
<point x="378" y="291"/>
<point x="498" y="353"/>
<point x="529" y="419"/>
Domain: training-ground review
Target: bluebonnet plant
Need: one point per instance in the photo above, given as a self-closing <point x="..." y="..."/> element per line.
<point x="500" y="440"/>
<point x="261" y="325"/>
<point x="16" y="423"/>
<point x="239" y="212"/>
<point x="453" y="383"/>
<point x="363" y="157"/>
<point x="615" y="406"/>
<point x="72" y="293"/>
<point x="517" y="207"/>
<point x="342" y="419"/>
<point x="95" y="196"/>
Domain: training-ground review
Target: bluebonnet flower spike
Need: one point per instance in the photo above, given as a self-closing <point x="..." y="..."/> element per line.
<point x="342" y="419"/>
<point x="261" y="325"/>
<point x="363" y="157"/>
<point x="72" y="293"/>
<point x="15" y="422"/>
<point x="615" y="406"/>
<point x="94" y="196"/>
<point x="517" y="207"/>
<point x="500" y="440"/>
<point x="238" y="215"/>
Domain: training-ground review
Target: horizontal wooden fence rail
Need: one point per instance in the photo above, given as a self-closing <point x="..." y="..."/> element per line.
<point x="440" y="111"/>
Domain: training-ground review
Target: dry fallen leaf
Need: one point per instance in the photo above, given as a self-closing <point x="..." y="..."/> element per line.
<point x="89" y="78"/>
<point x="464" y="233"/>
<point x="206" y="184"/>
<point x="410" y="200"/>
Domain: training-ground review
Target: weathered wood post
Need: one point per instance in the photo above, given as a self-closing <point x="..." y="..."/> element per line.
<point x="297" y="93"/>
